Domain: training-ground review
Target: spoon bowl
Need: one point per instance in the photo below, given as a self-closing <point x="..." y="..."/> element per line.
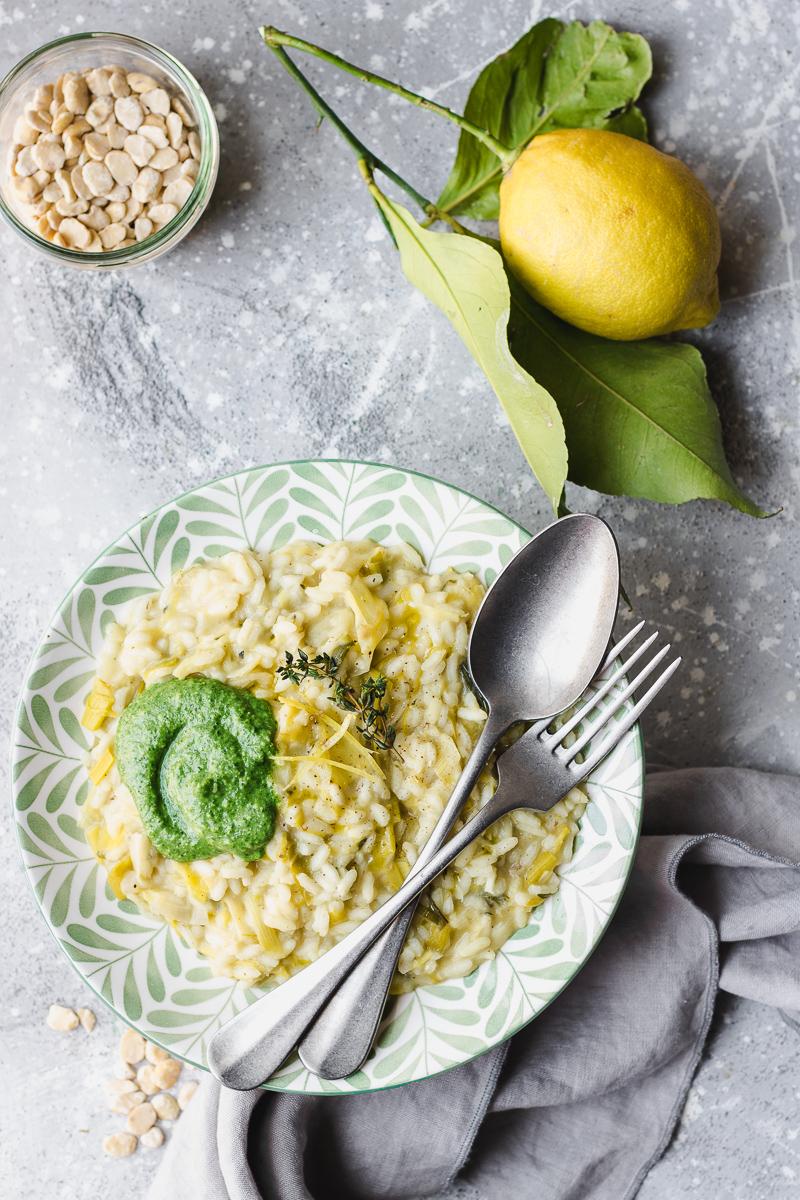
<point x="546" y="621"/>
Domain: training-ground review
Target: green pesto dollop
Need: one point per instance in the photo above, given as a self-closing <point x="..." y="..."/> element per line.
<point x="196" y="755"/>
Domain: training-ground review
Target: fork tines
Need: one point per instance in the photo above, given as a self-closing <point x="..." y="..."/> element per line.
<point x="594" y="719"/>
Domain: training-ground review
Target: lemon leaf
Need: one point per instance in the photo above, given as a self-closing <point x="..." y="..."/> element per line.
<point x="465" y="278"/>
<point x="556" y="76"/>
<point x="639" y="416"/>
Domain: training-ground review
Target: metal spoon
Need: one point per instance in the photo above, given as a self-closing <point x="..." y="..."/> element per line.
<point x="537" y="640"/>
<point x="518" y="660"/>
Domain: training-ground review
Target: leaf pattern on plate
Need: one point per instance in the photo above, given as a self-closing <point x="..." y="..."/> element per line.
<point x="137" y="964"/>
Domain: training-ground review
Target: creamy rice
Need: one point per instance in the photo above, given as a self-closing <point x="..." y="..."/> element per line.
<point x="350" y="821"/>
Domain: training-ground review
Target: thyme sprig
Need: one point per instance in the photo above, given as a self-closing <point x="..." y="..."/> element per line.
<point x="368" y="700"/>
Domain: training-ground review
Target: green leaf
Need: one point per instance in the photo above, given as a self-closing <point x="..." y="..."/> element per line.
<point x="273" y="482"/>
<point x="556" y="76"/>
<point x="59" y="793"/>
<point x="271" y="517"/>
<point x="60" y="906"/>
<point x="109" y="574"/>
<point x="638" y="416"/>
<point x="155" y="984"/>
<point x="130" y="994"/>
<point x="87" y="897"/>
<point x="72" y="727"/>
<point x="312" y="525"/>
<point x="465" y="278"/>
<point x="43" y="830"/>
<point x="171" y="956"/>
<point x="209" y="529"/>
<point x="40" y="711"/>
<point x="86" y="607"/>
<point x="47" y="674"/>
<point x="123" y="595"/>
<point x="166" y="528"/>
<point x="202" y="503"/>
<point x="180" y="553"/>
<point x="67" y="689"/>
<point x="30" y="790"/>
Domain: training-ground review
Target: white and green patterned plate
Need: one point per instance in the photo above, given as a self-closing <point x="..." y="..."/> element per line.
<point x="136" y="964"/>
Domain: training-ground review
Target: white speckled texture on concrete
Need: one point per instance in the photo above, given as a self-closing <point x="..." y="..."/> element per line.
<point x="282" y="327"/>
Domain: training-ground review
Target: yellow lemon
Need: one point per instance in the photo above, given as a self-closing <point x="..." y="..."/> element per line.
<point x="611" y="234"/>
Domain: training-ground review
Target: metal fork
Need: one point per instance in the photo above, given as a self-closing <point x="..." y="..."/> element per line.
<point x="535" y="773"/>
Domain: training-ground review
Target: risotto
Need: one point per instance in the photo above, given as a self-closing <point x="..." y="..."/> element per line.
<point x="352" y="813"/>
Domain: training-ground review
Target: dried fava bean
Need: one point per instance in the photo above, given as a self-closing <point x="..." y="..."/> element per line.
<point x="146" y="184"/>
<point x="194" y="143"/>
<point x="115" y="211"/>
<point x="75" y="235"/>
<point x="25" y="164"/>
<point x="39" y="120"/>
<point x="174" y="129"/>
<point x="63" y="1020"/>
<point x="95" y="218"/>
<point x="122" y="167"/>
<point x="155" y="1054"/>
<point x="120" y="193"/>
<point x="157" y="101"/>
<point x="52" y="192"/>
<point x="140" y="149"/>
<point x="154" y="134"/>
<point x="131" y="1047"/>
<point x="153" y="1138"/>
<point x="186" y="1092"/>
<point x="87" y="1019"/>
<point x="139" y="82"/>
<point x="79" y="184"/>
<point x="119" y="1145"/>
<point x="98" y="82"/>
<point x="177" y="192"/>
<point x="76" y="128"/>
<point x="112" y="235"/>
<point x="96" y="146"/>
<point x="126" y="1101"/>
<point x="167" y="1072"/>
<point x="116" y="135"/>
<point x="142" y="228"/>
<point x="43" y="96"/>
<point x="146" y="1079"/>
<point x="183" y="111"/>
<point x="27" y="188"/>
<point x="166" y="1106"/>
<point x="133" y="208"/>
<point x="98" y="178"/>
<point x="24" y="134"/>
<point x="141" y="1118"/>
<point x="118" y="1087"/>
<point x="161" y="213"/>
<point x="99" y="111"/>
<point x="118" y="84"/>
<point x="76" y="94"/>
<point x="162" y="160"/>
<point x="48" y="156"/>
<point x="61" y="121"/>
<point x="72" y="148"/>
<point x="128" y="112"/>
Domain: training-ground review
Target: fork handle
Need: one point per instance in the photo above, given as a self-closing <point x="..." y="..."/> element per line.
<point x="252" y="1045"/>
<point x="339" y="1041"/>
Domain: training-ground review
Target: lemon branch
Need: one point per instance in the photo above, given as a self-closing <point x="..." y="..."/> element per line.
<point x="275" y="39"/>
<point x="368" y="162"/>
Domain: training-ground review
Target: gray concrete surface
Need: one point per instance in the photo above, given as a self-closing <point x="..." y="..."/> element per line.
<point x="281" y="328"/>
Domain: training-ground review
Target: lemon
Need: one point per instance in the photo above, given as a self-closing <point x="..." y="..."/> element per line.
<point x="611" y="234"/>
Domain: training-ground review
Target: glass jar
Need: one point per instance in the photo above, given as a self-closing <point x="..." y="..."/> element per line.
<point x="77" y="53"/>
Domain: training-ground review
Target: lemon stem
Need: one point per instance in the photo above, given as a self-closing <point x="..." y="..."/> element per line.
<point x="368" y="162"/>
<point x="274" y="38"/>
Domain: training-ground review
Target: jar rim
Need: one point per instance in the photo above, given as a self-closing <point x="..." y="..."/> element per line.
<point x="157" y="242"/>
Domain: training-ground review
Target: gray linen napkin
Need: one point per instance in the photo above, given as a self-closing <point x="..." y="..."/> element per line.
<point x="579" y="1104"/>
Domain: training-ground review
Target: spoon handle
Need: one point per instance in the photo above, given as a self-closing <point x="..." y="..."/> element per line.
<point x="341" y="1038"/>
<point x="253" y="1044"/>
